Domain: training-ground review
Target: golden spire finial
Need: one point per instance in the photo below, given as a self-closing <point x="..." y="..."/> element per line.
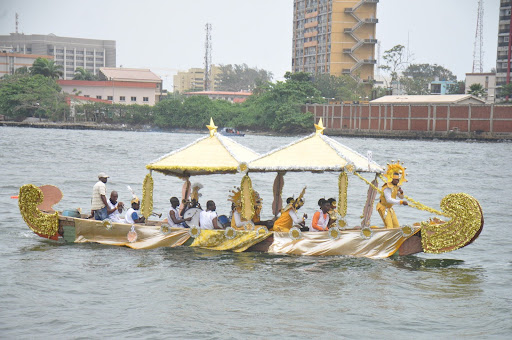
<point x="320" y="127"/>
<point x="212" y="127"/>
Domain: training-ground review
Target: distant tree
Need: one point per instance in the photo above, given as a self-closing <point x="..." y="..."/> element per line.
<point x="29" y="96"/>
<point x="505" y="92"/>
<point x="394" y="61"/>
<point x="298" y="76"/>
<point x="46" y="68"/>
<point x="76" y="92"/>
<point x="352" y="89"/>
<point x="82" y="74"/>
<point x="22" y="70"/>
<point x="457" y="88"/>
<point x="378" y="92"/>
<point x="416" y="78"/>
<point x="241" y="77"/>
<point x="167" y="112"/>
<point x="278" y="106"/>
<point x="477" y="90"/>
<point x="327" y="84"/>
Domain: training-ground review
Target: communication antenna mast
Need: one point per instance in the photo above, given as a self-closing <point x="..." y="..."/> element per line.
<point x="208" y="58"/>
<point x="17" y="17"/>
<point x="478" y="48"/>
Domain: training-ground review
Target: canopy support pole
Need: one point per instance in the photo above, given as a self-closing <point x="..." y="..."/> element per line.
<point x="185" y="193"/>
<point x="277" y="204"/>
<point x="368" y="207"/>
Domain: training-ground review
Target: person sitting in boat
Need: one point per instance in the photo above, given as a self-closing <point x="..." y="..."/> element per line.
<point x="114" y="208"/>
<point x="173" y="217"/>
<point x="320" y="221"/>
<point x="193" y="200"/>
<point x="99" y="200"/>
<point x="132" y="215"/>
<point x="237" y="222"/>
<point x="208" y="218"/>
<point x="332" y="211"/>
<point x="289" y="217"/>
<point x="193" y="203"/>
<point x="388" y="198"/>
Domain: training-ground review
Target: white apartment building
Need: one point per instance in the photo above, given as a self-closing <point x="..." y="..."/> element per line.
<point x="487" y="80"/>
<point x="119" y="85"/>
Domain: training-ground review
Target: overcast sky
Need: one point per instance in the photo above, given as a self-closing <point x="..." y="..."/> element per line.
<point x="169" y="35"/>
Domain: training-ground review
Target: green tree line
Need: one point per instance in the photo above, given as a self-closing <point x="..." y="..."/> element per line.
<point x="274" y="106"/>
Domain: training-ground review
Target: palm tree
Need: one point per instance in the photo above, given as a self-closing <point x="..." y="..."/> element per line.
<point x="477" y="90"/>
<point x="81" y="74"/>
<point x="47" y="68"/>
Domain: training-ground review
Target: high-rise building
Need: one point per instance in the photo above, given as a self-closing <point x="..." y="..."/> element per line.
<point x="70" y="53"/>
<point x="335" y="37"/>
<point x="193" y="80"/>
<point x="503" y="58"/>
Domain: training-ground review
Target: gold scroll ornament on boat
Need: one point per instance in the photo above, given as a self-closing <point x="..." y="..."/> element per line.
<point x="30" y="197"/>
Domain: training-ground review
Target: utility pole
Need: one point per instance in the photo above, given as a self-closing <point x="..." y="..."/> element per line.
<point x="208" y="58"/>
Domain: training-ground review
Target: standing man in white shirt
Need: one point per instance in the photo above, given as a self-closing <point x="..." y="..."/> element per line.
<point x="99" y="200"/>
<point x="208" y="218"/>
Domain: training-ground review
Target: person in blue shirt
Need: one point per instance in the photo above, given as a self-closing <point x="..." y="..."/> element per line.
<point x="132" y="215"/>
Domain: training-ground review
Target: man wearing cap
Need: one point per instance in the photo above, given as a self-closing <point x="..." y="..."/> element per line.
<point x="388" y="198"/>
<point x="132" y="215"/>
<point x="99" y="200"/>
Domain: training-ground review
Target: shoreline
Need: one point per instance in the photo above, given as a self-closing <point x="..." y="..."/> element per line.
<point x="416" y="135"/>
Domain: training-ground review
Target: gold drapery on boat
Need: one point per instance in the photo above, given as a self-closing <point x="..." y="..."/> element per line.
<point x="217" y="240"/>
<point x="147" y="196"/>
<point x="148" y="237"/>
<point x="383" y="243"/>
<point x="247" y="200"/>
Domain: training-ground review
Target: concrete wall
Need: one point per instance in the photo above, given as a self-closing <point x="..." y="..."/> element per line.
<point x="494" y="119"/>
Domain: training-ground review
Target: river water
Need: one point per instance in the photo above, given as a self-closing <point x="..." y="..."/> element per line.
<point x="79" y="291"/>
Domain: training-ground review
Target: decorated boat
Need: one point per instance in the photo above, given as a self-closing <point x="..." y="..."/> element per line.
<point x="457" y="224"/>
